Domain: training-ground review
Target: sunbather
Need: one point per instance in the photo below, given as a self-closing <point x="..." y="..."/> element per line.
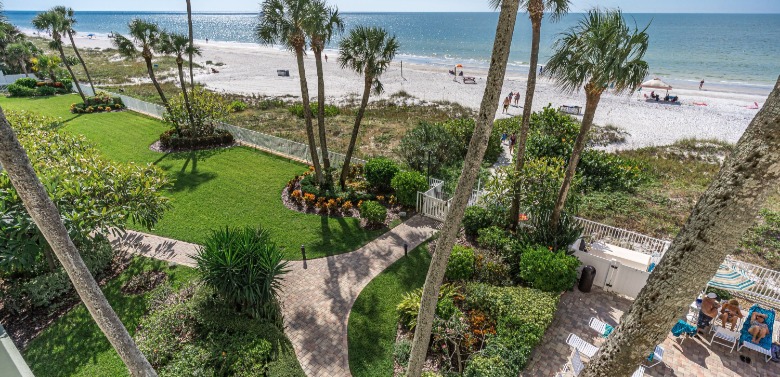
<point x="730" y="313"/>
<point x="758" y="327"/>
<point x="709" y="310"/>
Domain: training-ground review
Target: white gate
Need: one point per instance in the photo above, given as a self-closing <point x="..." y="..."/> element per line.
<point x="432" y="207"/>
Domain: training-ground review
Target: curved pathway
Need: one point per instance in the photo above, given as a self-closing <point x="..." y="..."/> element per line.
<point x="318" y="294"/>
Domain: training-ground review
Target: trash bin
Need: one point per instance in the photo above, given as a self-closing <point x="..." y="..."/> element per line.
<point x="586" y="279"/>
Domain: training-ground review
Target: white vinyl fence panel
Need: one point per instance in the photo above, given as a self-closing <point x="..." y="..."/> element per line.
<point x="612" y="276"/>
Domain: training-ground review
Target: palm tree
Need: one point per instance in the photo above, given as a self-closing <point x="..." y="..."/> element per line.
<point x="45" y="215"/>
<point x="70" y="20"/>
<point x="55" y="23"/>
<point x="471" y="166"/>
<point x="192" y="42"/>
<point x="285" y="22"/>
<point x="724" y="212"/>
<point x="178" y="45"/>
<point x="147" y="35"/>
<point x="536" y="10"/>
<point x="369" y="52"/>
<point x="21" y="53"/>
<point x="324" y="23"/>
<point x="601" y="50"/>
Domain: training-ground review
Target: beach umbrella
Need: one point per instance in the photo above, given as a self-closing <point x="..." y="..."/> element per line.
<point x="656" y="83"/>
<point x="458" y="65"/>
<point x="731" y="278"/>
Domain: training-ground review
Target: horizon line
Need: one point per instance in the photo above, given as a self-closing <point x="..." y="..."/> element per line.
<point x="362" y="12"/>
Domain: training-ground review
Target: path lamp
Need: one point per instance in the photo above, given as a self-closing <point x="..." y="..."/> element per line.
<point x="406" y="248"/>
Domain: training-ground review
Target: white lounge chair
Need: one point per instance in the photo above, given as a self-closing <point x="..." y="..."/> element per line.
<point x="725" y="337"/>
<point x="658" y="356"/>
<point x="584" y="347"/>
<point x="600" y="326"/>
<point x="577" y="366"/>
<point x="640" y="372"/>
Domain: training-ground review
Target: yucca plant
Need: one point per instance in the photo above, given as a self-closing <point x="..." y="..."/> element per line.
<point x="245" y="267"/>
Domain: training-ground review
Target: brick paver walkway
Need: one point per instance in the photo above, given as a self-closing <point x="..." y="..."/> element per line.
<point x="695" y="358"/>
<point x="318" y="294"/>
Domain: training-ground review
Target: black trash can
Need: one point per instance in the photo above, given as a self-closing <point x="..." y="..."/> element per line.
<point x="586" y="279"/>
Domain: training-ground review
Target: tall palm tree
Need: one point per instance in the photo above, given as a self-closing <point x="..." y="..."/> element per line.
<point x="178" y="45"/>
<point x="285" y="22"/>
<point x="536" y="10"/>
<point x="716" y="224"/>
<point x="324" y="23"/>
<point x="369" y="52"/>
<point x="192" y="42"/>
<point x="21" y="53"/>
<point x="70" y="20"/>
<point x="601" y="50"/>
<point x="147" y="35"/>
<point x="471" y="166"/>
<point x="46" y="216"/>
<point x="55" y="23"/>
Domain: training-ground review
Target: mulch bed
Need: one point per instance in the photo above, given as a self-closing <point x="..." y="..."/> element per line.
<point x="24" y="327"/>
<point x="157" y="147"/>
<point x="144" y="282"/>
<point x="393" y="212"/>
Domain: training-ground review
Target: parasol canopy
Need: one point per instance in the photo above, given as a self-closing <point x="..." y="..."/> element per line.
<point x="656" y="83"/>
<point x="458" y="65"/>
<point x="731" y="279"/>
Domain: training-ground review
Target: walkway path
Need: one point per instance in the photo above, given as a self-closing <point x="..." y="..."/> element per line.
<point x="318" y="294"/>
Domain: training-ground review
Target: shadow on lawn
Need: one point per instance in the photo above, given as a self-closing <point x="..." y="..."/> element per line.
<point x="188" y="177"/>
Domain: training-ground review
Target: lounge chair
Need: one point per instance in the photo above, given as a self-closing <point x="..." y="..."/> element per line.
<point x="725" y="337"/>
<point x="764" y="346"/>
<point x="577" y="366"/>
<point x="600" y="326"/>
<point x="469" y="80"/>
<point x="657" y="357"/>
<point x="584" y="347"/>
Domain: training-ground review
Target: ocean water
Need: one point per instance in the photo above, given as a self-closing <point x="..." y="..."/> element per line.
<point x="739" y="50"/>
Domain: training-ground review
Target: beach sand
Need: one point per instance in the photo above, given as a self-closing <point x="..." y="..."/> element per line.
<point x="251" y="69"/>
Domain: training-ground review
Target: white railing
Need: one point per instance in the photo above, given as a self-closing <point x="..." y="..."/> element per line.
<point x="767" y="287"/>
<point x="432" y="203"/>
<point x="254" y="139"/>
<point x="623" y="238"/>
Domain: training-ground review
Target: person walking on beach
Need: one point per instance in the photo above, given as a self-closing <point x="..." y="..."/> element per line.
<point x="517" y="98"/>
<point x="701" y="84"/>
<point x="507" y="101"/>
<point x="541" y="70"/>
<point x="512" y="141"/>
<point x="326" y="58"/>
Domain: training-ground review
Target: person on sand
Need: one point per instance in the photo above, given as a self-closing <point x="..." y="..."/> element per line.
<point x="730" y="313"/>
<point x="326" y="58"/>
<point x="758" y="327"/>
<point x="701" y="84"/>
<point x="511" y="94"/>
<point x="708" y="311"/>
<point x="512" y="141"/>
<point x="517" y="98"/>
<point x="507" y="101"/>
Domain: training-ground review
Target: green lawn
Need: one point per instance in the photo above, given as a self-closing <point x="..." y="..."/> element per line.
<point x="75" y="346"/>
<point x="372" y="322"/>
<point x="211" y="189"/>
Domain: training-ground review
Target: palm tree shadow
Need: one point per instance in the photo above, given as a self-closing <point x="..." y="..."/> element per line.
<point x="188" y="177"/>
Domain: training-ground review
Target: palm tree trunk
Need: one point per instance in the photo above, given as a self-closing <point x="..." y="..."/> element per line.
<point x="150" y="69"/>
<point x="23" y="64"/>
<point x="592" y="98"/>
<point x="536" y="26"/>
<point x="47" y="218"/>
<point x="84" y="65"/>
<point x="724" y="212"/>
<point x="72" y="75"/>
<point x="180" y="64"/>
<point x="476" y="151"/>
<point x="355" y="132"/>
<point x="315" y="160"/>
<point x="192" y="42"/>
<point x="321" y="109"/>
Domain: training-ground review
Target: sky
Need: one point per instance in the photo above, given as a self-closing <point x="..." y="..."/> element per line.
<point x="628" y="6"/>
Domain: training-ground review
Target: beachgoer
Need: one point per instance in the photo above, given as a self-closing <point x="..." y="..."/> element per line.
<point x="506" y="104"/>
<point x="701" y="84"/>
<point x="758" y="327"/>
<point x="326" y="58"/>
<point x="511" y="94"/>
<point x="541" y="69"/>
<point x="730" y="313"/>
<point x="207" y="40"/>
<point x="517" y="98"/>
<point x="512" y="141"/>
<point x="708" y="311"/>
<point x="503" y="137"/>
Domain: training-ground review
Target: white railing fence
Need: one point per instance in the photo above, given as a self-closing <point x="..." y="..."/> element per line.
<point x="254" y="139"/>
<point x="767" y="288"/>
<point x="623" y="238"/>
<point x="432" y="203"/>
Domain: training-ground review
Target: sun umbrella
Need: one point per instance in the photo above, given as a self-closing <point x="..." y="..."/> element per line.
<point x="655" y="83"/>
<point x="459" y="65"/>
<point x="731" y="278"/>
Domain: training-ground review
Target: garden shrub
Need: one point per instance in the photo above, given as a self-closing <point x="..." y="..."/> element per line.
<point x="244" y="267"/>
<point x="43" y="91"/>
<point x="484" y="366"/>
<point x="102" y="101"/>
<point x="602" y="171"/>
<point x="428" y="148"/>
<point x="461" y="263"/>
<point x="495" y="239"/>
<point x="27" y="82"/>
<point x="409" y="307"/>
<point x="172" y="140"/>
<point x="492" y="269"/>
<point x="297" y="110"/>
<point x="237" y="106"/>
<point x="549" y="271"/>
<point x="474" y="219"/>
<point x="406" y="185"/>
<point x="16" y="90"/>
<point x="379" y="173"/>
<point x="208" y="109"/>
<point x="536" y="231"/>
<point x="401" y="351"/>
<point x="373" y="212"/>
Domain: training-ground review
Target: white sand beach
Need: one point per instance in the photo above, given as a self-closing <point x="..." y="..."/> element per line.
<point x="251" y="69"/>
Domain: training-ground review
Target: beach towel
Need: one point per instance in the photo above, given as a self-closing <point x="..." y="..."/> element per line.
<point x="683" y="327"/>
<point x="765" y="343"/>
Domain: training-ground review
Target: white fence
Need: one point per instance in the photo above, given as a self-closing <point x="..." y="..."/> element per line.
<point x="254" y="139"/>
<point x="623" y="238"/>
<point x="432" y="203"/>
<point x="767" y="287"/>
<point x="612" y="276"/>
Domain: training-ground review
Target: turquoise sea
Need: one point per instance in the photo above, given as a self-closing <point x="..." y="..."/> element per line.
<point x="731" y="50"/>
